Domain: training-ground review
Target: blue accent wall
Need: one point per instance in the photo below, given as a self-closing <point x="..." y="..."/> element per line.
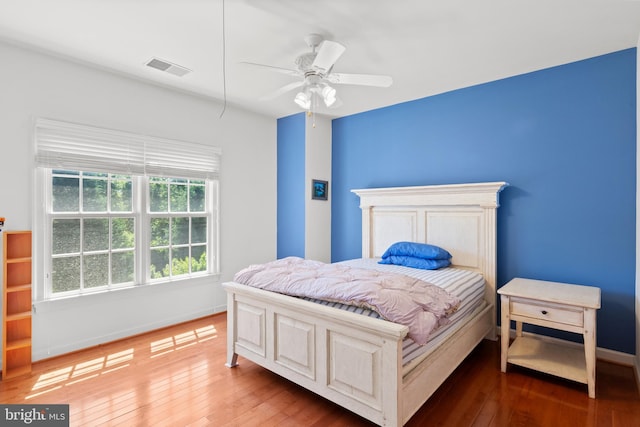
<point x="291" y="180"/>
<point x="565" y="140"/>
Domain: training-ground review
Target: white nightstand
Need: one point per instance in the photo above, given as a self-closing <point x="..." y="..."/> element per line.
<point x="554" y="305"/>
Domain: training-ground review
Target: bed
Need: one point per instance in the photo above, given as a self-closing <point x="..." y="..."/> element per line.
<point x="356" y="361"/>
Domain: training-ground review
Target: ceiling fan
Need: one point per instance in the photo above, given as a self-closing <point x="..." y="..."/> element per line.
<point x="316" y="76"/>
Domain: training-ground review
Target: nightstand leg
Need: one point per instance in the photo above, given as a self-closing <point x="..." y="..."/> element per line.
<point x="590" y="349"/>
<point x="505" y="326"/>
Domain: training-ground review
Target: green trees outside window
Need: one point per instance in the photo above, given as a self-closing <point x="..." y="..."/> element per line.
<point x="94" y="224"/>
<point x="178" y="227"/>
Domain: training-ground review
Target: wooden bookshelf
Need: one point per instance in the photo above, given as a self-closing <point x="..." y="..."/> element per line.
<point x="16" y="304"/>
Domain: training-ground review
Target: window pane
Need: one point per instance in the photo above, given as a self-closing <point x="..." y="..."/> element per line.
<point x="159" y="263"/>
<point x="196" y="198"/>
<point x="65" y="194"/>
<point x="66" y="236"/>
<point x="121" y="198"/>
<point x="180" y="261"/>
<point x="94" y="195"/>
<point x="198" y="230"/>
<point x="159" y="232"/>
<point x="159" y="197"/>
<point x="66" y="274"/>
<point x="180" y="231"/>
<point x="122" y="267"/>
<point x="96" y="270"/>
<point x="178" y="197"/>
<point x="123" y="233"/>
<point x="198" y="258"/>
<point x="96" y="234"/>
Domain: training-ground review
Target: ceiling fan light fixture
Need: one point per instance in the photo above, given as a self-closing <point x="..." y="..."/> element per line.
<point x="303" y="100"/>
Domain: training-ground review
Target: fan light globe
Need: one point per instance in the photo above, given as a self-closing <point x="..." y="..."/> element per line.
<point x="329" y="95"/>
<point x="303" y="100"/>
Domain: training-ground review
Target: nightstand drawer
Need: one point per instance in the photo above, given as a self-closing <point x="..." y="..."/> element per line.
<point x="547" y="311"/>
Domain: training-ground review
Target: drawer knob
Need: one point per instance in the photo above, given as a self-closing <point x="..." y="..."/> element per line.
<point x="544" y="311"/>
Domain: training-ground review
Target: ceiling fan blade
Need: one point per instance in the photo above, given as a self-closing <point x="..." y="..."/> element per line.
<point x="284" y="89"/>
<point x="328" y="55"/>
<point x="286" y="71"/>
<point x="360" y="79"/>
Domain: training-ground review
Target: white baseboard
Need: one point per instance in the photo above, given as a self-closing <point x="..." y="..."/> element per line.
<point x="615" y="356"/>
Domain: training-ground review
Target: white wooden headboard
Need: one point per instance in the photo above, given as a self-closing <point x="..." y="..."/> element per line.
<point x="460" y="218"/>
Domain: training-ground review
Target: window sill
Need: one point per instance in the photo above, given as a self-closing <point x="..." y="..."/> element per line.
<point x="115" y="295"/>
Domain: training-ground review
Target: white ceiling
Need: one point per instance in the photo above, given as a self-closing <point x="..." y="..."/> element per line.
<point x="427" y="46"/>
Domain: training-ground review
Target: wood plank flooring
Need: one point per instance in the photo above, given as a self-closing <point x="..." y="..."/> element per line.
<point x="176" y="377"/>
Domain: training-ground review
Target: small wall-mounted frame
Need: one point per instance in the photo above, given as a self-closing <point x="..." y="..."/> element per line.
<point x="319" y="189"/>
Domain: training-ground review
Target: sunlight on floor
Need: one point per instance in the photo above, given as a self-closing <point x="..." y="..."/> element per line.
<point x="179" y="341"/>
<point x="82" y="371"/>
<point x="99" y="366"/>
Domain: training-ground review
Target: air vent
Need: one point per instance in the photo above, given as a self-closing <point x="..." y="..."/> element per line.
<point x="166" y="66"/>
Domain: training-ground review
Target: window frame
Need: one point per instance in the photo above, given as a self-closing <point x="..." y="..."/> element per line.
<point x="211" y="195"/>
<point x="142" y="250"/>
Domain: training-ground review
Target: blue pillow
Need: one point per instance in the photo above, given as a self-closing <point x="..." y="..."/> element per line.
<point x="408" y="261"/>
<point x="416" y="250"/>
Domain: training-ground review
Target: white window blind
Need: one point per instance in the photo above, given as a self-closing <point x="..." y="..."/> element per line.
<point x="62" y="145"/>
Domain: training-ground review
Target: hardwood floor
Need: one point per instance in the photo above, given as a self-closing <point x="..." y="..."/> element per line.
<point x="176" y="377"/>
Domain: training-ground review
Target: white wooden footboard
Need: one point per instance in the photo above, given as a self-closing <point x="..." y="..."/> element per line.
<point x="350" y="359"/>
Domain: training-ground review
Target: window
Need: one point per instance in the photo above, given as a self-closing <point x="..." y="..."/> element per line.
<point x="92" y="227"/>
<point x="119" y="220"/>
<point x="178" y="227"/>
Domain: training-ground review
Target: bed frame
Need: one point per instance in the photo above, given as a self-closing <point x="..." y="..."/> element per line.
<point x="356" y="361"/>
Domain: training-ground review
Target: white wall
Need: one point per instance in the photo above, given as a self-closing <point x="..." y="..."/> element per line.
<point x="317" y="243"/>
<point x="37" y="85"/>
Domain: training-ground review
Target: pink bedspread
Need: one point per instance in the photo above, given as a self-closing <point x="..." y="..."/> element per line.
<point x="419" y="305"/>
